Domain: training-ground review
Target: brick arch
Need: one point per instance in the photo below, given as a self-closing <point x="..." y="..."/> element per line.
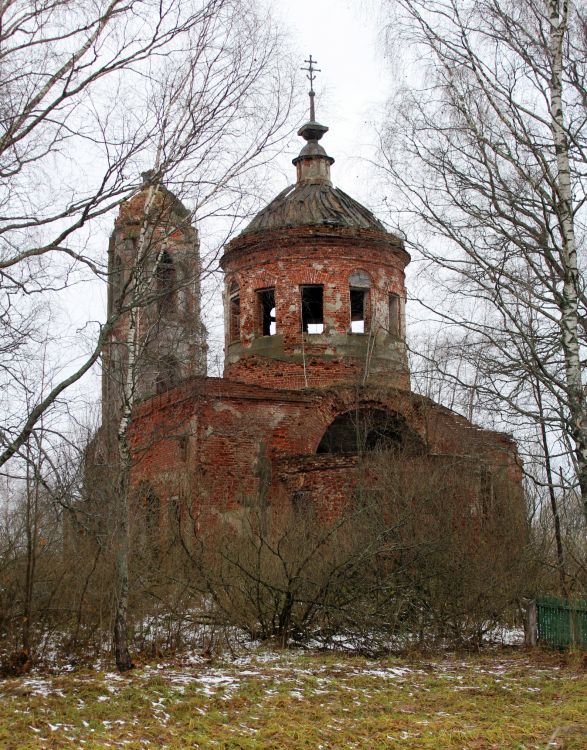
<point x="265" y="281"/>
<point x="309" y="276"/>
<point x="347" y="399"/>
<point x="365" y="429"/>
<point x="232" y="284"/>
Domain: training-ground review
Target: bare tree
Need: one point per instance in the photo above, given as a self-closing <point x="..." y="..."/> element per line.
<point x="93" y="94"/>
<point x="488" y="153"/>
<point x="196" y="92"/>
<point x="426" y="549"/>
<point x="212" y="124"/>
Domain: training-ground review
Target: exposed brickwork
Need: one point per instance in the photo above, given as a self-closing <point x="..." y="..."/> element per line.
<point x="286" y="260"/>
<point x="217" y="442"/>
<point x="172" y="340"/>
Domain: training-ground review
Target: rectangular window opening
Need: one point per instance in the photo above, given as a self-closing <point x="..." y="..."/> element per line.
<point x="312" y="309"/>
<point x="266" y="312"/>
<point x="235" y="318"/>
<point x="485" y="492"/>
<point x="358" y="310"/>
<point x="394" y="315"/>
<point x="301" y="501"/>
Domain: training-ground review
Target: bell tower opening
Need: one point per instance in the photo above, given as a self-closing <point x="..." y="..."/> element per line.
<point x="234" y="313"/>
<point x="312" y="309"/>
<point x="166" y="283"/>
<point x="359" y="283"/>
<point x="266" y="315"/>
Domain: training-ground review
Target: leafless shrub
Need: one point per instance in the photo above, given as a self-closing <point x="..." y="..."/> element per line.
<point x="425" y="552"/>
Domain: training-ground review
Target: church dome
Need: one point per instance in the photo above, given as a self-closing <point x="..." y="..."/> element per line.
<point x="313" y="201"/>
<point x="313" y="204"/>
<point x="314" y="287"/>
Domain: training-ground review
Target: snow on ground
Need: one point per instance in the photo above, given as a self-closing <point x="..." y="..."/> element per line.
<point x="224" y="686"/>
<point x="40" y="686"/>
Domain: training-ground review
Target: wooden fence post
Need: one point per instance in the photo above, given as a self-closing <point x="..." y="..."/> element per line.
<point x="531" y="625"/>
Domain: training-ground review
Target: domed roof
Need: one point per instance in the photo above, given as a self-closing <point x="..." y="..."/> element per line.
<point x="313" y="204"/>
<point x="313" y="201"/>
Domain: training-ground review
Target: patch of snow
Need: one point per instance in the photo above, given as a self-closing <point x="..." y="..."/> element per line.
<point x="387" y="674"/>
<point x="212" y="682"/>
<point x="506" y="636"/>
<point x="44" y="688"/>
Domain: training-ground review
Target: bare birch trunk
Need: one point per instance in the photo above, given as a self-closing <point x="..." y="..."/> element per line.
<point x="121" y="649"/>
<point x="142" y="283"/>
<point x="32" y="504"/>
<point x="570" y="300"/>
<point x="560" y="556"/>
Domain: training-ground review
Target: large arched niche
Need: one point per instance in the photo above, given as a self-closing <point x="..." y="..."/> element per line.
<point x="366" y="429"/>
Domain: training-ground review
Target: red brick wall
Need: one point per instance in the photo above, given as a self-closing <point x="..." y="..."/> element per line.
<point x="218" y="444"/>
<point x="287" y="260"/>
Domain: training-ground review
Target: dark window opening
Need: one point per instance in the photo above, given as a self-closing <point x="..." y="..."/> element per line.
<point x="266" y="312"/>
<point x="152" y="517"/>
<point x="183" y="445"/>
<point x="130" y="245"/>
<point x="302" y="506"/>
<point x="234" y="313"/>
<point x="167" y="375"/>
<point x="116" y="283"/>
<point x="394" y="315"/>
<point x="174" y="518"/>
<point x="365" y="430"/>
<point x="358" y="310"/>
<point x="485" y="492"/>
<point x="312" y="309"/>
<point x="149" y="518"/>
<point x="165" y="282"/>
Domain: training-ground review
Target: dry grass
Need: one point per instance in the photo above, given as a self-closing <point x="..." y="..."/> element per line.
<point x="292" y="700"/>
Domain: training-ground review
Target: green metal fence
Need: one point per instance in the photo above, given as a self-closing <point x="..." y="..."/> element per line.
<point x="561" y="623"/>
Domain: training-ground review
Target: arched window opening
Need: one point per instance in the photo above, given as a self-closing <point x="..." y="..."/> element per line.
<point x="153" y="521"/>
<point x="148" y="511"/>
<point x="130" y="246"/>
<point x="165" y="282"/>
<point x="167" y="374"/>
<point x="115" y="281"/>
<point x="266" y="315"/>
<point x="394" y="315"/>
<point x="359" y="285"/>
<point x="312" y="309"/>
<point x="234" y="313"/>
<point x="366" y="430"/>
<point x="174" y="519"/>
<point x="486" y="492"/>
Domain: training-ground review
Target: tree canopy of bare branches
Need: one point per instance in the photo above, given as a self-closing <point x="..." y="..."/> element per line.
<point x="93" y="94"/>
<point x="488" y="151"/>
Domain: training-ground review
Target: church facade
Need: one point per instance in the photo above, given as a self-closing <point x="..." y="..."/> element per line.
<point x="316" y="373"/>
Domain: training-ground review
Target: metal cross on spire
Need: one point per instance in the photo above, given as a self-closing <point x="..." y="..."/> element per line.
<point x="311" y="70"/>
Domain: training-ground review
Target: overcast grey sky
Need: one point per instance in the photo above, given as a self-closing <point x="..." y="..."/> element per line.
<point x="344" y="36"/>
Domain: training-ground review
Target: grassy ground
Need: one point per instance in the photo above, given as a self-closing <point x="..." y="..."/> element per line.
<point x="506" y="699"/>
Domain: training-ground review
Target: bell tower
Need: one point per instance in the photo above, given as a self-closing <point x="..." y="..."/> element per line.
<point x="315" y="286"/>
<point x="154" y="273"/>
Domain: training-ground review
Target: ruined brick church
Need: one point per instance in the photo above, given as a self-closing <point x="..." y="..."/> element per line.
<point x="316" y="371"/>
